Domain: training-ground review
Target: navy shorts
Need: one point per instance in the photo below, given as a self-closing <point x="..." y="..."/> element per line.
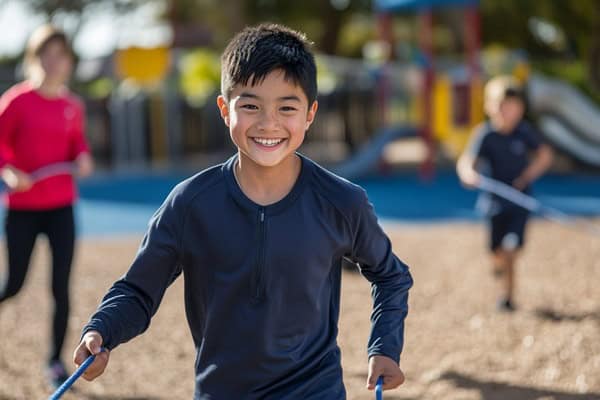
<point x="507" y="228"/>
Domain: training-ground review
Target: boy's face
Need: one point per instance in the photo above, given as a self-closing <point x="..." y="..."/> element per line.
<point x="267" y="121"/>
<point x="506" y="114"/>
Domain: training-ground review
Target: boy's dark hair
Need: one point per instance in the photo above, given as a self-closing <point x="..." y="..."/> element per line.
<point x="503" y="87"/>
<point x="256" y="51"/>
<point x="514" y="93"/>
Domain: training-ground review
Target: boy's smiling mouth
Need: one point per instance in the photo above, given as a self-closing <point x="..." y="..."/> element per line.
<point x="267" y="142"/>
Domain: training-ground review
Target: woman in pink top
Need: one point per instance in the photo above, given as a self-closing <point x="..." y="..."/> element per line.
<point x="42" y="124"/>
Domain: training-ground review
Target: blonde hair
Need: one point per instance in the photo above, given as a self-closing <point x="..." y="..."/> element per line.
<point x="37" y="43"/>
<point x="498" y="89"/>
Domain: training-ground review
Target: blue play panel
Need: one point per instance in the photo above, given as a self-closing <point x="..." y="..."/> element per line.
<point x="123" y="203"/>
<point x="406" y="197"/>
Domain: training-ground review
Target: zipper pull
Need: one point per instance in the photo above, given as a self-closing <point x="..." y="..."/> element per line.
<point x="262" y="215"/>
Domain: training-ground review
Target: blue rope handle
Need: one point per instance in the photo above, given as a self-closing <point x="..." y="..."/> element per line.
<point x="379" y="389"/>
<point x="69" y="382"/>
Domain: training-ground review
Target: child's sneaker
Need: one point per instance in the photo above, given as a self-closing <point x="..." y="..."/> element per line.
<point x="57" y="374"/>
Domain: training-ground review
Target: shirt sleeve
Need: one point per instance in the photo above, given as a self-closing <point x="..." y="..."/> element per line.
<point x="8" y="127"/>
<point x="390" y="281"/>
<point x="78" y="141"/>
<point x="129" y="305"/>
<point x="530" y="135"/>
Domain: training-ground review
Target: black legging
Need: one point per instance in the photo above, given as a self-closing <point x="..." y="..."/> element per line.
<point x="22" y="229"/>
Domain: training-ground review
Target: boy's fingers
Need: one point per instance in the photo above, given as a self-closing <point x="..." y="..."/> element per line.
<point x="372" y="379"/>
<point x="371" y="384"/>
<point x="93" y="345"/>
<point x="79" y="356"/>
<point x="392" y="382"/>
<point x="97" y="367"/>
<point x="93" y="342"/>
<point x="388" y="369"/>
<point x="389" y="381"/>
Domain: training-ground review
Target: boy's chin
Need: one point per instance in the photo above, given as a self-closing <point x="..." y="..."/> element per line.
<point x="269" y="162"/>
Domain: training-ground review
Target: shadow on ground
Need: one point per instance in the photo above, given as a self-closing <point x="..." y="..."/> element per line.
<point x="559" y="316"/>
<point x="491" y="390"/>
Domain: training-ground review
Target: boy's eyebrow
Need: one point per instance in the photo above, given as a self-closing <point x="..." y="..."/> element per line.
<point x="291" y="97"/>
<point x="282" y="98"/>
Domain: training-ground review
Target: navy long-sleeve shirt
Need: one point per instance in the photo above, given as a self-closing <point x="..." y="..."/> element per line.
<point x="262" y="283"/>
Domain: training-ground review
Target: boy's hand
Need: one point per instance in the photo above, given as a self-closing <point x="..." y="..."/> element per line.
<point x="520" y="183"/>
<point x="91" y="344"/>
<point x="386" y="367"/>
<point x="470" y="178"/>
<point x="15" y="179"/>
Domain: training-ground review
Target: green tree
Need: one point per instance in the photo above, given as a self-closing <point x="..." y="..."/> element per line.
<point x="72" y="14"/>
<point x="508" y="21"/>
<point x="322" y="20"/>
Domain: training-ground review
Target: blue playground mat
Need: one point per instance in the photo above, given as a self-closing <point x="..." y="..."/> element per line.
<point x="123" y="203"/>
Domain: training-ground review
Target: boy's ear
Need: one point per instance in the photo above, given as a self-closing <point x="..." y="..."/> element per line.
<point x="312" y="111"/>
<point x="223" y="109"/>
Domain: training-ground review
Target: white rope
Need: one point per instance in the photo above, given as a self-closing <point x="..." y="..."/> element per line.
<point x="50" y="170"/>
<point x="531" y="204"/>
<point x="47" y="171"/>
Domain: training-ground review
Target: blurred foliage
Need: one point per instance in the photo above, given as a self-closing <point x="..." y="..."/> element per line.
<point x="321" y="20"/>
<point x="574" y="72"/>
<point x="99" y="88"/>
<point x="342" y="27"/>
<point x="51" y="7"/>
<point x="357" y="31"/>
<point x="509" y="22"/>
<point x="327" y="79"/>
<point x="200" y="75"/>
<point x="71" y="14"/>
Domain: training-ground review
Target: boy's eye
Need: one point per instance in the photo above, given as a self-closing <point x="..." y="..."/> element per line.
<point x="249" y="107"/>
<point x="288" y="109"/>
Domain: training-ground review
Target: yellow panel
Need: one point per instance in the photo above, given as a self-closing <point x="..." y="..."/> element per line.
<point x="521" y="71"/>
<point x="441" y="108"/>
<point x="143" y="65"/>
<point x="477" y="114"/>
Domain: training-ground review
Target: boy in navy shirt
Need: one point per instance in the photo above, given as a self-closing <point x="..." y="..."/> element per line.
<point x="260" y="241"/>
<point x="501" y="148"/>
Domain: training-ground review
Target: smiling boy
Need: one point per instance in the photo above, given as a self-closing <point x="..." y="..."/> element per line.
<point x="260" y="241"/>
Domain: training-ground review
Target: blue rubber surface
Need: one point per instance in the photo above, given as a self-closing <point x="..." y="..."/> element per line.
<point x="122" y="204"/>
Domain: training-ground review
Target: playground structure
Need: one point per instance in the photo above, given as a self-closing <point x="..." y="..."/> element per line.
<point x="364" y="106"/>
<point x="450" y="99"/>
<point x="567" y="118"/>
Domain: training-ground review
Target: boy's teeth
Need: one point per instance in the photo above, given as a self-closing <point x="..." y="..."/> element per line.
<point x="268" y="142"/>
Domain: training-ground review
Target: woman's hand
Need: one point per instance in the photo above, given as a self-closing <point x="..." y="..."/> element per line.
<point x="15" y="179"/>
<point x="84" y="165"/>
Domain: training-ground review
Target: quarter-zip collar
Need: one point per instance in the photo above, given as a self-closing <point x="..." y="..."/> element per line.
<point x="272" y="209"/>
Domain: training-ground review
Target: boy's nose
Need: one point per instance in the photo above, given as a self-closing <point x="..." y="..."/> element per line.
<point x="268" y="122"/>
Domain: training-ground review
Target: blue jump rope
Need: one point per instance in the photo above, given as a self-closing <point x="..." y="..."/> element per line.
<point x="79" y="371"/>
<point x="379" y="389"/>
<point x="69" y="382"/>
